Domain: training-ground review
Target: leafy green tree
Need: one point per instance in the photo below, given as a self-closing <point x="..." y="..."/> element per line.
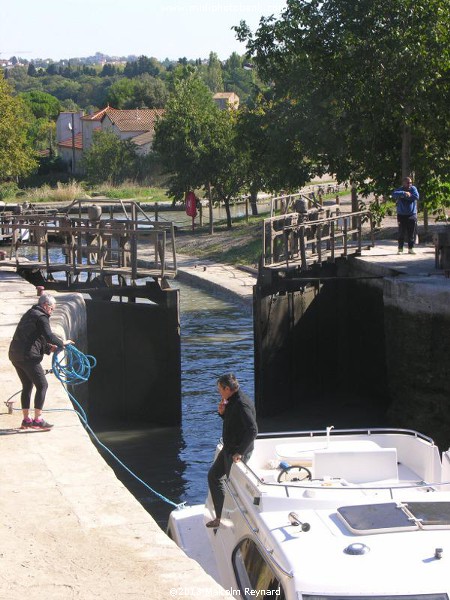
<point x="42" y="105"/>
<point x="143" y="65"/>
<point x="108" y="70"/>
<point x="364" y="86"/>
<point x="121" y="93"/>
<point x="213" y="75"/>
<point x="17" y="158"/>
<point x="149" y="92"/>
<point x="237" y="79"/>
<point x="52" y="69"/>
<point x="182" y="136"/>
<point x="227" y="160"/>
<point x="197" y="144"/>
<point x="142" y="91"/>
<point x="110" y="159"/>
<point x="61" y="88"/>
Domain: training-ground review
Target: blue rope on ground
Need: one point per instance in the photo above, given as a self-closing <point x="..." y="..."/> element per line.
<point x="72" y="367"/>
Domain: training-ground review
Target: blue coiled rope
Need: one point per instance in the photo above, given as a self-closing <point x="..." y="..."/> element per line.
<point x="72" y="367"/>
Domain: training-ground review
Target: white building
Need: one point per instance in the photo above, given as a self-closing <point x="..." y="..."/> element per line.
<point x="75" y="131"/>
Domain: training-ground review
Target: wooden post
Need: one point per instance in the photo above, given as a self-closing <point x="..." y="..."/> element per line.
<point x="210" y="207"/>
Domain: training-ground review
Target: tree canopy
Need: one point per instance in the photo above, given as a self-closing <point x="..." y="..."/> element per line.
<point x="17" y="158"/>
<point x="363" y="86"/>
<point x="197" y="143"/>
<point x="110" y="159"/>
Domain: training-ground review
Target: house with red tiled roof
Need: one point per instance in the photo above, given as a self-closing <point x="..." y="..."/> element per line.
<point x="75" y="131"/>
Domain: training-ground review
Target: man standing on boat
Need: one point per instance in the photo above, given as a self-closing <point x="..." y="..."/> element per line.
<point x="238" y="433"/>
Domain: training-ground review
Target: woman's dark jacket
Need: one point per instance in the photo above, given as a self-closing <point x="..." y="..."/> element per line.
<point x="32" y="336"/>
<point x="239" y="424"/>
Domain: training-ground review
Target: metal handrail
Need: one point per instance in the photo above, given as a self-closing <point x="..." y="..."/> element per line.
<point x="267" y="551"/>
<point x="289" y="243"/>
<point x="359" y="431"/>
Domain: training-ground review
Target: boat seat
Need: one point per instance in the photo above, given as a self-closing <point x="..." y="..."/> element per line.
<point x="361" y="466"/>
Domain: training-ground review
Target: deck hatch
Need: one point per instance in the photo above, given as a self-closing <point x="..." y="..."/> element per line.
<point x="431" y="514"/>
<point x="372" y="518"/>
<point x="364" y="519"/>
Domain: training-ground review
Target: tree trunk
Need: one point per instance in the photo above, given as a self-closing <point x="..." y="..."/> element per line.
<point x="228" y="212"/>
<point x="355" y="208"/>
<point x="406" y="151"/>
<point x="253" y="199"/>
<point x="210" y="208"/>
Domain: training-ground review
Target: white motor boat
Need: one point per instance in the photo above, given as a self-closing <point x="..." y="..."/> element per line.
<point x="328" y="515"/>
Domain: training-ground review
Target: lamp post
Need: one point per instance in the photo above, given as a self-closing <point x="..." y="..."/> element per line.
<point x="72" y="129"/>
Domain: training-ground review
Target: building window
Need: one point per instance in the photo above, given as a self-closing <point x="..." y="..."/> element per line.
<point x="253" y="573"/>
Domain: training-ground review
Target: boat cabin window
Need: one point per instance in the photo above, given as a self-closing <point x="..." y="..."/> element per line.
<point x="253" y="573"/>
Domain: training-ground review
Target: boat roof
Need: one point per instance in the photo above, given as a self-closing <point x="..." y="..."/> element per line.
<point x="374" y="516"/>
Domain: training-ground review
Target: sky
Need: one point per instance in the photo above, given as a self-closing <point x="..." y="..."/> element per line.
<point x="61" y="29"/>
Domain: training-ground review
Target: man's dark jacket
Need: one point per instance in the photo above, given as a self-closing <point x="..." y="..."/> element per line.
<point x="32" y="336"/>
<point x="239" y="424"/>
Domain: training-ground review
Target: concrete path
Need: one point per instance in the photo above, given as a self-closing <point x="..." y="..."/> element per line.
<point x="226" y="280"/>
<point x="383" y="259"/>
<point x="69" y="529"/>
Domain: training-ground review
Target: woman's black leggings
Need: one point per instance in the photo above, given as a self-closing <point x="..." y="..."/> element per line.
<point x="31" y="373"/>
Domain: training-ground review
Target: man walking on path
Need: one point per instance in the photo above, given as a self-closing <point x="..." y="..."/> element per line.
<point x="238" y="433"/>
<point x="32" y="339"/>
<point x="406" y="198"/>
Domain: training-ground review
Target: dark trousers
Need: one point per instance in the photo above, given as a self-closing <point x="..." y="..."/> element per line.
<point x="406" y="230"/>
<point x="216" y="478"/>
<point x="31" y="373"/>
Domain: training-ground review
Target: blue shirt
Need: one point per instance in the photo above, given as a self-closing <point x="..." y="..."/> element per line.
<point x="406" y="205"/>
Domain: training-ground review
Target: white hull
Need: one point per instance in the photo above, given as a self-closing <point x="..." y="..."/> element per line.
<point x="373" y="521"/>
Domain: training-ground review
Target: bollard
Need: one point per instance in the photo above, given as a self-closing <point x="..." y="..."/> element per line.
<point x="40" y="290"/>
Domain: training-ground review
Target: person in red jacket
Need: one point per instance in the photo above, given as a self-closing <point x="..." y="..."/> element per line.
<point x="238" y="434"/>
<point x="32" y="339"/>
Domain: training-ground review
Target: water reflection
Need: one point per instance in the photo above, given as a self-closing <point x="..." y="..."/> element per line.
<point x="216" y="337"/>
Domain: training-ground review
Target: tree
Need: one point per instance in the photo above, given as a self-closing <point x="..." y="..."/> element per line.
<point x="110" y="159"/>
<point x="213" y="76"/>
<point x="17" y="158"/>
<point x="181" y="137"/>
<point x="121" y="93"/>
<point x="237" y="79"/>
<point x="197" y="144"/>
<point x="363" y="85"/>
<point x="149" y="92"/>
<point x="143" y="64"/>
<point x="108" y="70"/>
<point x="143" y="91"/>
<point x="42" y="105"/>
